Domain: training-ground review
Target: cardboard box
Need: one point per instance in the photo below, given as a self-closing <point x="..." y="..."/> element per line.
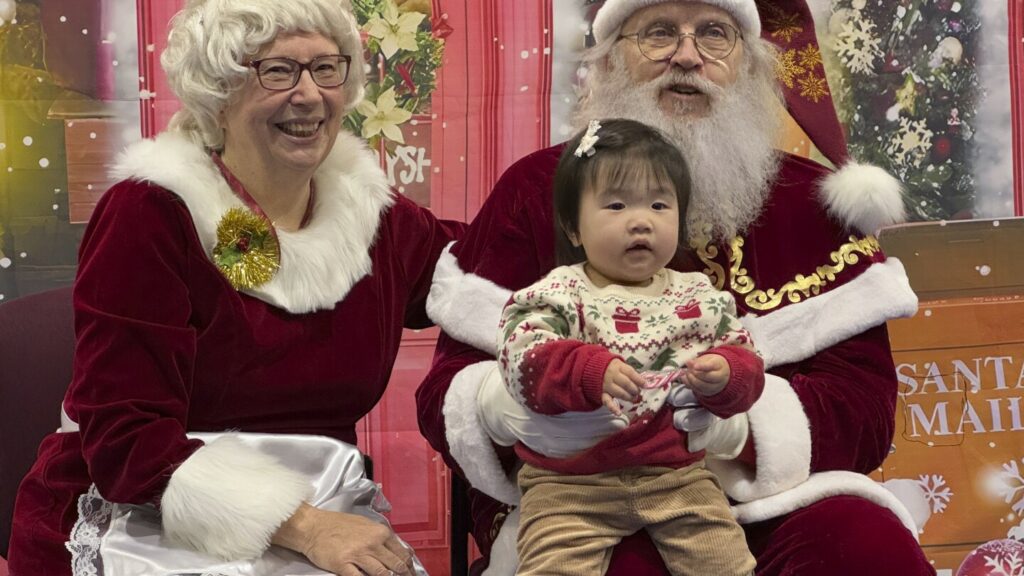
<point x="960" y="364"/>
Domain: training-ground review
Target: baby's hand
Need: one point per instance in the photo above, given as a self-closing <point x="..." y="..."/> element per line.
<point x="620" y="381"/>
<point x="707" y="375"/>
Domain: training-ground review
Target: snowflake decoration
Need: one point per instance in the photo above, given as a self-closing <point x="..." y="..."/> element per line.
<point x="813" y="88"/>
<point x="1005" y="565"/>
<point x="1017" y="532"/>
<point x="857" y="47"/>
<point x="1010" y="485"/>
<point x="788" y="69"/>
<point x="809" y="57"/>
<point x="911" y="143"/>
<point x="935" y="492"/>
<point x="785" y="26"/>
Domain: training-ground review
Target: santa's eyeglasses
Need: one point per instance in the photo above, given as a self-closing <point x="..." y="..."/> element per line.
<point x="659" y="41"/>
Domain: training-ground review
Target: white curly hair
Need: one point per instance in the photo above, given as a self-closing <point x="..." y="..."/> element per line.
<point x="211" y="40"/>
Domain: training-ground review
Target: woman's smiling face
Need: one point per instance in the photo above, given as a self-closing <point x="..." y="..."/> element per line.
<point x="287" y="130"/>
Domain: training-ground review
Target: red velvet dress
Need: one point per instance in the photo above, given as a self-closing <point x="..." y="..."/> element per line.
<point x="821" y="292"/>
<point x="166" y="346"/>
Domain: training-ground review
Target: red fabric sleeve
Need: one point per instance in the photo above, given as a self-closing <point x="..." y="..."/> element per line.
<point x="567" y="376"/>
<point x="746" y="382"/>
<point x="135" y="352"/>
<point x="848" y="392"/>
<point x="420" y="237"/>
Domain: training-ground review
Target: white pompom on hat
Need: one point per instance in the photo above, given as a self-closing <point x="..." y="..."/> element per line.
<point x="614" y="12"/>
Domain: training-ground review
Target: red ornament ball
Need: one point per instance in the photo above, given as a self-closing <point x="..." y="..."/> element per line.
<point x="994" y="558"/>
<point x="941" y="149"/>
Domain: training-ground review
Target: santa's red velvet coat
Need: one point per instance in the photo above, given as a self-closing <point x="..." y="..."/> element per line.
<point x="166" y="346"/>
<point x="817" y="292"/>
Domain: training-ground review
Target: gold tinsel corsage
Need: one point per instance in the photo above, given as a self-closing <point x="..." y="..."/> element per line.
<point x="247" y="251"/>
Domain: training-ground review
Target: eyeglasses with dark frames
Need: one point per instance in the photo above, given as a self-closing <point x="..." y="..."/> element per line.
<point x="328" y="71"/>
<point x="659" y="41"/>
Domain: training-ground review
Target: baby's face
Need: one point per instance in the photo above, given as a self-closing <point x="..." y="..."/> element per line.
<point x="628" y="234"/>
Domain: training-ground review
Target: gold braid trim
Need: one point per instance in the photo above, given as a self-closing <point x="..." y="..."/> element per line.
<point x="795" y="290"/>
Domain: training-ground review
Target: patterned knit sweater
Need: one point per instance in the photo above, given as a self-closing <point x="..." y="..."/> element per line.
<point x="558" y="336"/>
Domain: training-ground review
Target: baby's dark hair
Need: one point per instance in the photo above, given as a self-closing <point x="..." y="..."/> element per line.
<point x="627" y="154"/>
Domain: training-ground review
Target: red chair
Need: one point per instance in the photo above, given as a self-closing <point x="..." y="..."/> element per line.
<point x="36" y="347"/>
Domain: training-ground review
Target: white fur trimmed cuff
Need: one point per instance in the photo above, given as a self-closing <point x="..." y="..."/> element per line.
<point x="880" y="293"/>
<point x="782" y="440"/>
<point x="467" y="439"/>
<point x="228" y="499"/>
<point x="504" y="555"/>
<point x="466" y="306"/>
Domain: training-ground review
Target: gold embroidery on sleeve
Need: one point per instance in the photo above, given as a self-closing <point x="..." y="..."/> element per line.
<point x="802" y="286"/>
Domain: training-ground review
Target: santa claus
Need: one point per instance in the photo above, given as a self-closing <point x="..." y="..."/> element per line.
<point x="791" y="239"/>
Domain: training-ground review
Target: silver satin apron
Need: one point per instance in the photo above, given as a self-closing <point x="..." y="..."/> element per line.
<point x="127" y="540"/>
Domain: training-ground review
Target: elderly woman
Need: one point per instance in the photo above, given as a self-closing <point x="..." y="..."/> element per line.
<point x="251" y="273"/>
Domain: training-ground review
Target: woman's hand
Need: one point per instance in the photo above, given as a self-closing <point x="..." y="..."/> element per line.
<point x="344" y="544"/>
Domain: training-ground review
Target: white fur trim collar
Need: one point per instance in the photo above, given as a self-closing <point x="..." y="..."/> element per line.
<point x="321" y="262"/>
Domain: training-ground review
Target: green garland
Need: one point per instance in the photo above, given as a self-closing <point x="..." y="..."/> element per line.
<point x="908" y="95"/>
<point x="408" y="75"/>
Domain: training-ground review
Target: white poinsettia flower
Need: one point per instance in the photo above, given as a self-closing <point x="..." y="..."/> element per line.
<point x="395" y="30"/>
<point x="384" y="117"/>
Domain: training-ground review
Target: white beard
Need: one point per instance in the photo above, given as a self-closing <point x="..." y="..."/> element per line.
<point x="730" y="152"/>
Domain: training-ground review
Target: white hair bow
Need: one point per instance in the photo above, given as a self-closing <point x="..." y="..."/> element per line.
<point x="589" y="139"/>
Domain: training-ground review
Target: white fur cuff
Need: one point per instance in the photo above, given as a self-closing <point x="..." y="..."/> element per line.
<point x="228" y="499"/>
<point x="466" y="306"/>
<point x="468" y="442"/>
<point x="782" y="440"/>
<point x="504" y="554"/>
<point x="818" y="487"/>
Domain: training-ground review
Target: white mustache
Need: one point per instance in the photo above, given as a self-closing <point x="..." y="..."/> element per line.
<point x="689" y="80"/>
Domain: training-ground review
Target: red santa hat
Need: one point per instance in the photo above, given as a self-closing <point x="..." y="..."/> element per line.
<point x="787" y="24"/>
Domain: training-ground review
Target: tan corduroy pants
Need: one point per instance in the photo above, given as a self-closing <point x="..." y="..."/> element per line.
<point x="569" y="524"/>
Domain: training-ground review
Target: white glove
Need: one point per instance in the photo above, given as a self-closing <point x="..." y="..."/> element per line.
<point x="506" y="421"/>
<point x="689" y="414"/>
<point x="722" y="439"/>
